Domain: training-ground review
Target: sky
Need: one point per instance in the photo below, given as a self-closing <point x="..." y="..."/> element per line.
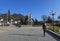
<point x="36" y="7"/>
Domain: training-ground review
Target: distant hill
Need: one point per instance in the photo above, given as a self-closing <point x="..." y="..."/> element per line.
<point x="3" y="15"/>
<point x="19" y="16"/>
<point x="14" y="16"/>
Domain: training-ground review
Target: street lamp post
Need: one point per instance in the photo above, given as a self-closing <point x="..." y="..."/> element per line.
<point x="53" y="13"/>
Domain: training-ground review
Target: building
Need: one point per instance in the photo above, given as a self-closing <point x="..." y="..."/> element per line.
<point x="30" y="18"/>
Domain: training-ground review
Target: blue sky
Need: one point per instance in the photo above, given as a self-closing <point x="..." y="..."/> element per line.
<point x="36" y="7"/>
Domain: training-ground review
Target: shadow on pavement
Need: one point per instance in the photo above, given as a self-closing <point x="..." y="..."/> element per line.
<point x="37" y="35"/>
<point x="54" y="36"/>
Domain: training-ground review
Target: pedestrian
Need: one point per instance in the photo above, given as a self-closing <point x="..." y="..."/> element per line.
<point x="44" y="28"/>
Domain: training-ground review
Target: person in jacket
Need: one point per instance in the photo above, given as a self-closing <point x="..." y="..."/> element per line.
<point x="44" y="28"/>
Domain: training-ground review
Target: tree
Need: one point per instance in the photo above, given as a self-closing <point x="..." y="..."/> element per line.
<point x="49" y="19"/>
<point x="8" y="16"/>
<point x="21" y="21"/>
<point x="26" y="18"/>
<point x="36" y="21"/>
<point x="59" y="17"/>
<point x="44" y="18"/>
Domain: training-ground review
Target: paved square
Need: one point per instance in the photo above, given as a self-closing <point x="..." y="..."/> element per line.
<point x="25" y="34"/>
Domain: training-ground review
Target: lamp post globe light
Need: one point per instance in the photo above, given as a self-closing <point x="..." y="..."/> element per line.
<point x="53" y="13"/>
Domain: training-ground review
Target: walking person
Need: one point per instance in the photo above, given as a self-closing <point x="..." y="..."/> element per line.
<point x="44" y="28"/>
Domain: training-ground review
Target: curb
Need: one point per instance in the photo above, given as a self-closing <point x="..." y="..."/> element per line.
<point x="53" y="33"/>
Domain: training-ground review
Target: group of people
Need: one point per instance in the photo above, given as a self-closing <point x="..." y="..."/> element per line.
<point x="44" y="28"/>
